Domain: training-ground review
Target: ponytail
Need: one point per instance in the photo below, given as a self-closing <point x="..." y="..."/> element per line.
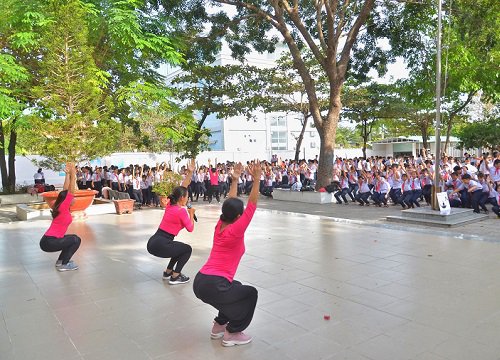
<point x="60" y="199"/>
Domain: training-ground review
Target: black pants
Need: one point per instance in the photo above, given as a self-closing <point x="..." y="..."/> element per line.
<point x="98" y="188"/>
<point x="427" y="192"/>
<point x="162" y="244"/>
<point x="213" y="190"/>
<point x="235" y="302"/>
<point x="66" y="245"/>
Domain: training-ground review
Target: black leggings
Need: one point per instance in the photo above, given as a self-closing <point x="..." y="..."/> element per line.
<point x="67" y="245"/>
<point x="162" y="244"/>
<point x="235" y="302"/>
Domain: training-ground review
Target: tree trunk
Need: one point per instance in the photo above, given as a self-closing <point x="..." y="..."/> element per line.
<point x="301" y="137"/>
<point x="3" y="163"/>
<point x="12" y="159"/>
<point x="423" y="130"/>
<point x="327" y="135"/>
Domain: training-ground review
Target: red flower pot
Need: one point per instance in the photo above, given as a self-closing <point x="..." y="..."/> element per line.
<point x="83" y="199"/>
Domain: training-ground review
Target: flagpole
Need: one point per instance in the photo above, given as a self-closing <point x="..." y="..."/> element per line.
<point x="437" y="170"/>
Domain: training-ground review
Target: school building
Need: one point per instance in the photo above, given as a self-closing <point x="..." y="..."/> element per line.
<point x="412" y="146"/>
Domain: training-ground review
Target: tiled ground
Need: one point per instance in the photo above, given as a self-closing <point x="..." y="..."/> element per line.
<point x="391" y="295"/>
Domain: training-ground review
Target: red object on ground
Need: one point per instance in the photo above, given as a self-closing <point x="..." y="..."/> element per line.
<point x="326" y="317"/>
<point x="83" y="199"/>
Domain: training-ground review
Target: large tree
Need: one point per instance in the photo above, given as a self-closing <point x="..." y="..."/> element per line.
<point x="327" y="29"/>
<point x="125" y="43"/>
<point x="19" y="64"/>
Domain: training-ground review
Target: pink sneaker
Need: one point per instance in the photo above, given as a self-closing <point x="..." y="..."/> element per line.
<point x="217" y="331"/>
<point x="239" y="338"/>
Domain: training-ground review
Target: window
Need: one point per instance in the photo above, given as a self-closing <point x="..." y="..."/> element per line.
<point x="279" y="140"/>
<point x="278" y="121"/>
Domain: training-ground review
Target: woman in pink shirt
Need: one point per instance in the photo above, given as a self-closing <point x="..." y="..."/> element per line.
<point x="214" y="283"/>
<point x="54" y="238"/>
<point x="175" y="219"/>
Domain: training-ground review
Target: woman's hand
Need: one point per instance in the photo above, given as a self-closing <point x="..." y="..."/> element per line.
<point x="191" y="211"/>
<point x="237" y="170"/>
<point x="191" y="165"/>
<point x="255" y="169"/>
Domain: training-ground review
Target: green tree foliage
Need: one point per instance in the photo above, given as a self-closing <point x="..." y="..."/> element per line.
<point x="74" y="107"/>
<point x="114" y="45"/>
<point x="163" y="125"/>
<point x="19" y="39"/>
<point x="481" y="134"/>
<point x="223" y="91"/>
<point x="366" y="105"/>
<point x="470" y="52"/>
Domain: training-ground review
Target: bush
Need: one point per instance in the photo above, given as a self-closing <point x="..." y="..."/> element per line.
<point x="167" y="185"/>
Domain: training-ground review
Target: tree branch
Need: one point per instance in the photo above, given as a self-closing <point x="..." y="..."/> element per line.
<point x="351" y="37"/>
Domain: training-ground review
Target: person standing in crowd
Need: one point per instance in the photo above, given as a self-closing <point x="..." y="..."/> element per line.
<point x="214" y="284"/>
<point x="39" y="177"/>
<point x="426" y="183"/>
<point x="55" y="238"/>
<point x="97" y="181"/>
<point x="175" y="218"/>
<point x="214" y="182"/>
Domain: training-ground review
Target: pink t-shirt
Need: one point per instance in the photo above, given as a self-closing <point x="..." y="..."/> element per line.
<point x="63" y="220"/>
<point x="175" y="219"/>
<point x="214" y="177"/>
<point x="228" y="246"/>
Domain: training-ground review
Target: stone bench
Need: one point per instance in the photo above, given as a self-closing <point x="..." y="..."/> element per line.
<point x="312" y="197"/>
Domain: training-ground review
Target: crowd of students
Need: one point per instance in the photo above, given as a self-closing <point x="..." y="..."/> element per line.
<point x="406" y="181"/>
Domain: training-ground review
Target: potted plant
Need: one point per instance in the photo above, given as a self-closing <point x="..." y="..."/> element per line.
<point x="165" y="187"/>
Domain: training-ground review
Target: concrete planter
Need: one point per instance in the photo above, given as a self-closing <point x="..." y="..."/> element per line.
<point x="311" y="197"/>
<point x="13" y="199"/>
<point x="125" y="206"/>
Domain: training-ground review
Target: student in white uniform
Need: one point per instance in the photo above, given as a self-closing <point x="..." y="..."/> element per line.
<point x="474" y="190"/>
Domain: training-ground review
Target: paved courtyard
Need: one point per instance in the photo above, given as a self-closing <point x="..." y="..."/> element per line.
<point x="390" y="294"/>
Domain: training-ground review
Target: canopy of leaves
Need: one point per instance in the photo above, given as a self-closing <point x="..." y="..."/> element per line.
<point x="481" y="134"/>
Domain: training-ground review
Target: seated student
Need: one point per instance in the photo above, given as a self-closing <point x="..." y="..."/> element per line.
<point x="453" y="197"/>
<point x="496" y="205"/>
<point x="381" y="189"/>
<point x="485" y="192"/>
<point x="364" y="191"/>
<point x="395" y="182"/>
<point x="343" y="189"/>
<point x="353" y="183"/>
<point x="495" y="172"/>
<point x="297" y="186"/>
<point x="407" y="195"/>
<point x="474" y="190"/>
